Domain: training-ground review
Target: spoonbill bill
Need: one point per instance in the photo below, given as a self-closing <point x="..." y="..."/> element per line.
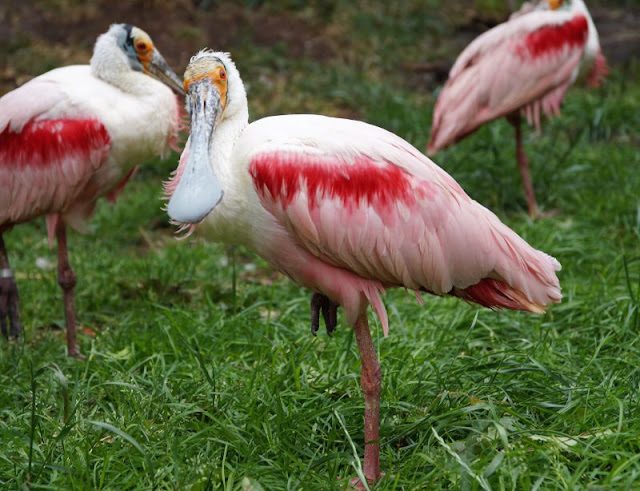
<point x="345" y="209"/>
<point x="75" y="134"/>
<point x="519" y="68"/>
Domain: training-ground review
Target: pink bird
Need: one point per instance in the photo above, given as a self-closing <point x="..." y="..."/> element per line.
<point x="345" y="209"/>
<point x="519" y="68"/>
<point x="75" y="134"/>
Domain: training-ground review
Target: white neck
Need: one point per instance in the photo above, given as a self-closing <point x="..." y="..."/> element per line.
<point x="235" y="120"/>
<point x="224" y="139"/>
<point x="109" y="63"/>
<point x="593" y="42"/>
<point x="221" y="223"/>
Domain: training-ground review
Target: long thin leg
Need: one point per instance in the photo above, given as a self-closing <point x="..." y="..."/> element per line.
<point x="67" y="280"/>
<point x="9" y="303"/>
<point x="371" y="382"/>
<point x="523" y="164"/>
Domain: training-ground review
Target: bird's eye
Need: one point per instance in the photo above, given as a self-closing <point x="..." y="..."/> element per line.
<point x="222" y="74"/>
<point x="141" y="46"/>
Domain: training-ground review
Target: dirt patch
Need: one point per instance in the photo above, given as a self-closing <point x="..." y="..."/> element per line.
<point x="178" y="28"/>
<point x="37" y="35"/>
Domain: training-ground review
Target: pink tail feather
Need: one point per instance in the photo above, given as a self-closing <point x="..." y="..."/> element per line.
<point x="372" y="292"/>
<point x="523" y="278"/>
<point x="496" y="294"/>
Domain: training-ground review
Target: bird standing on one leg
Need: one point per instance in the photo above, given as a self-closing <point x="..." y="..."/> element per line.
<point x="521" y="67"/>
<point x="75" y="134"/>
<point x="345" y="209"/>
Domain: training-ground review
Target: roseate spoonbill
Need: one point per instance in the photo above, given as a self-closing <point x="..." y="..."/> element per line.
<point x="74" y="134"/>
<point x="519" y="68"/>
<point x="345" y="209"/>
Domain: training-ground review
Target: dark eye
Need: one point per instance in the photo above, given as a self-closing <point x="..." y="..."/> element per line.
<point x="223" y="74"/>
<point x="141" y="46"/>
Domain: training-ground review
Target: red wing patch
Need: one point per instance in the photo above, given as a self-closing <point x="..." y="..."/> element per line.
<point x="41" y="143"/>
<point x="553" y="38"/>
<point x="284" y="175"/>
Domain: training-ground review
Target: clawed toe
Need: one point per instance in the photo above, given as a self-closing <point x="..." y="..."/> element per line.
<point x="539" y="215"/>
<point x="75" y="353"/>
<point x="357" y="484"/>
<point x="329" y="309"/>
<point x="9" y="305"/>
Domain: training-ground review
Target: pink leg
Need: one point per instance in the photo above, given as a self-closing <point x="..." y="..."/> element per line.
<point x="9" y="305"/>
<point x="371" y="382"/>
<point x="523" y="164"/>
<point x="67" y="280"/>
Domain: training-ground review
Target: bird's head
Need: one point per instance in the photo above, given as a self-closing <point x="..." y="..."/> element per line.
<point x="214" y="93"/>
<point x="215" y="70"/>
<point x="206" y="85"/>
<point x="139" y="52"/>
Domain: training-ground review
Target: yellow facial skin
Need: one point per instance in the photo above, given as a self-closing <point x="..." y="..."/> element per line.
<point x="206" y="68"/>
<point x="144" y="49"/>
<point x="555" y="4"/>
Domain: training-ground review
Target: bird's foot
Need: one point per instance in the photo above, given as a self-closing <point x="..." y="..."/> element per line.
<point x="75" y="353"/>
<point x="72" y="338"/>
<point x="321" y="303"/>
<point x="9" y="305"/>
<point x="536" y="214"/>
<point x="356" y="482"/>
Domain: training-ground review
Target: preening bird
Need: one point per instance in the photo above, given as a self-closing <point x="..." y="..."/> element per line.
<point x="345" y="209"/>
<point x="75" y="134"/>
<point x="519" y="68"/>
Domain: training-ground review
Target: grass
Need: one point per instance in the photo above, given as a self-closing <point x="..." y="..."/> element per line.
<point x="201" y="372"/>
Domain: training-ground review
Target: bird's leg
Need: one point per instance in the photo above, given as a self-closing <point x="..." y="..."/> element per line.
<point x="67" y="280"/>
<point x="523" y="164"/>
<point x="371" y="382"/>
<point x="316" y="304"/>
<point x="330" y="316"/>
<point x="321" y="303"/>
<point x="9" y="305"/>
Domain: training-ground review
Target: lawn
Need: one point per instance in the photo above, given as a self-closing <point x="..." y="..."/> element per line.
<point x="201" y="371"/>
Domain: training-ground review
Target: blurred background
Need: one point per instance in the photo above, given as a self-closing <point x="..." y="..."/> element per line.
<point x="294" y="55"/>
<point x="191" y="346"/>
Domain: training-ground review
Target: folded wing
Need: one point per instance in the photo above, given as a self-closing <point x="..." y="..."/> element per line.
<point x="46" y="158"/>
<point x="377" y="207"/>
<point x="527" y="63"/>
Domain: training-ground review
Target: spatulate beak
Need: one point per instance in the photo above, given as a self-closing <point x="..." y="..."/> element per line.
<point x="198" y="191"/>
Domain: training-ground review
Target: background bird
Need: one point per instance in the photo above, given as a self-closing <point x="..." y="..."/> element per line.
<point x="521" y="67"/>
<point x="75" y="134"/>
<point x="345" y="209"/>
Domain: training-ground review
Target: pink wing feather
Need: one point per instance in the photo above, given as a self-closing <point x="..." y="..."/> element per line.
<point x="527" y="63"/>
<point x="403" y="221"/>
<point x="44" y="163"/>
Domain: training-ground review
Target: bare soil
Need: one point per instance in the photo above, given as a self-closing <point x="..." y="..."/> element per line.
<point x="36" y="35"/>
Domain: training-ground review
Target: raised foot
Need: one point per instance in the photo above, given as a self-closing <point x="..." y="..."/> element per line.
<point x="321" y="303"/>
<point x="9" y="305"/>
